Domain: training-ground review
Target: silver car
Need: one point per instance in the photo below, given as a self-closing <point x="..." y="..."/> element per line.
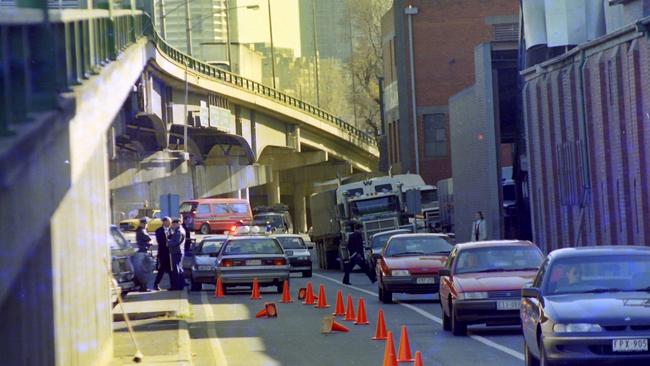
<point x="245" y="258"/>
<point x="297" y="252"/>
<point x="204" y="260"/>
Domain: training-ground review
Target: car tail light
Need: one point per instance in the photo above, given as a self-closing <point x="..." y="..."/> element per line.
<point x="233" y="229"/>
<point x="279" y="262"/>
<point x="227" y="263"/>
<point x="384" y="268"/>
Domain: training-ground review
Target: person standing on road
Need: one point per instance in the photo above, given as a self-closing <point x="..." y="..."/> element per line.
<point x="187" y="224"/>
<point x="163" y="256"/>
<point x="143" y="262"/>
<point x="357" y="257"/>
<point x="175" y="242"/>
<point x="479" y="232"/>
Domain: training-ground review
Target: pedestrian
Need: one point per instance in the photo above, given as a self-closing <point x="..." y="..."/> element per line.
<point x="163" y="257"/>
<point x="186" y="224"/>
<point x="479" y="232"/>
<point x="143" y="263"/>
<point x="357" y="257"/>
<point x="175" y="242"/>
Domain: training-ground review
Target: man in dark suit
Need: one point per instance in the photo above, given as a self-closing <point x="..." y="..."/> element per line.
<point x="175" y="242"/>
<point x="164" y="258"/>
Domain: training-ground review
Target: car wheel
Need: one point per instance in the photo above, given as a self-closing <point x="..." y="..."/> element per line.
<point x="446" y="322"/>
<point x="386" y="296"/>
<point x="458" y="328"/>
<point x="205" y="229"/>
<point x="529" y="359"/>
<point x="195" y="286"/>
<point x="543" y="361"/>
<point x="306" y="273"/>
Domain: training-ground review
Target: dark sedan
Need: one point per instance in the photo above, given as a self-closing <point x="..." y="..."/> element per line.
<point x="203" y="261"/>
<point x="589" y="305"/>
<point x="378" y="242"/>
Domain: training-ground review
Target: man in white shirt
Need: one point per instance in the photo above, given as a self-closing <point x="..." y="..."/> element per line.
<point x="479" y="230"/>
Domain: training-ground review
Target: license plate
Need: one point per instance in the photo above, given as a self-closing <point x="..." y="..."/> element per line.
<point x="205" y="268"/>
<point x="508" y="305"/>
<point x="254" y="262"/>
<point x="425" y="280"/>
<point x="630" y="345"/>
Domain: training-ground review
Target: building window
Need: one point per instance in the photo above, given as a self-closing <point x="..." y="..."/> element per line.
<point x="435" y="135"/>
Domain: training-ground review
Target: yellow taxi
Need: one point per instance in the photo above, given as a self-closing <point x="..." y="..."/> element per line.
<point x="155" y="220"/>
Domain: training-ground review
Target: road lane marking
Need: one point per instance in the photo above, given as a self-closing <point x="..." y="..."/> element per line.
<point x="430" y="316"/>
<point x="216" y="349"/>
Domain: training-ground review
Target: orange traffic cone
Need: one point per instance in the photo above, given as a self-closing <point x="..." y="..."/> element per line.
<point x="255" y="294"/>
<point x="269" y="311"/>
<point x="340" y="308"/>
<point x="418" y="359"/>
<point x="361" y="313"/>
<point x="309" y="297"/>
<point x="322" y="300"/>
<point x="404" y="353"/>
<point x="380" y="331"/>
<point x="389" y="352"/>
<point x="218" y="291"/>
<point x="286" y="294"/>
<point x="330" y="325"/>
<point x="349" y="313"/>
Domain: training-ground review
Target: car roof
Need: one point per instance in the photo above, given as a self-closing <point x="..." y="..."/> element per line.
<point x="420" y="235"/>
<point x="217" y="200"/>
<point x="391" y="232"/>
<point x="494" y="243"/>
<point x="212" y="237"/>
<point x="599" y="250"/>
<point x="243" y="237"/>
<point x="286" y="236"/>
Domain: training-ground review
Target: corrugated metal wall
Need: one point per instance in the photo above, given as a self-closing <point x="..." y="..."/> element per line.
<point x="613" y="185"/>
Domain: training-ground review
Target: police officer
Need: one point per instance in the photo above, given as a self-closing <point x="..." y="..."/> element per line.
<point x="163" y="256"/>
<point x="175" y="243"/>
<point x="357" y="257"/>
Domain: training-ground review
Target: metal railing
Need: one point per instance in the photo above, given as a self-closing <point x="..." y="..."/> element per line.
<point x="39" y="60"/>
<point x="257" y="88"/>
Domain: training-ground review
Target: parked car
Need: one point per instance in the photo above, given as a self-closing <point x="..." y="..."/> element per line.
<point x="204" y="260"/>
<point x="215" y="215"/>
<point x="132" y="224"/>
<point x="121" y="265"/>
<point x="276" y="217"/>
<point x="297" y="252"/>
<point x="410" y="264"/>
<point x="244" y="258"/>
<point x="377" y="243"/>
<point x="482" y="283"/>
<point x="589" y="305"/>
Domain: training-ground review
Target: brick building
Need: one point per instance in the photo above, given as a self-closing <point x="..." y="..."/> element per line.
<point x="444" y="34"/>
<point x="587" y="115"/>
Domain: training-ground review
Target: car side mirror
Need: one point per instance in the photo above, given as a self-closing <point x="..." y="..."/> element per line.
<point x="444" y="272"/>
<point x="530" y="292"/>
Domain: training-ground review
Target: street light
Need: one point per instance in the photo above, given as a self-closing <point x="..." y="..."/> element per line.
<point x="411" y="11"/>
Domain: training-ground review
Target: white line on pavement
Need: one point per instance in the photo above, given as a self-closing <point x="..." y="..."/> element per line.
<point x="216" y="349"/>
<point x="430" y="316"/>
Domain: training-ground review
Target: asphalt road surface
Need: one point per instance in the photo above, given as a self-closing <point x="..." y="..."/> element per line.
<point x="224" y="331"/>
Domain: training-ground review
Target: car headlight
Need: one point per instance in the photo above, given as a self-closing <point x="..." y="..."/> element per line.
<point x="576" y="328"/>
<point x="400" y="272"/>
<point x="303" y="258"/>
<point x="472" y="295"/>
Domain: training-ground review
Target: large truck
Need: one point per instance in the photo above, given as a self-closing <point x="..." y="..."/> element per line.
<point x="423" y="197"/>
<point x="377" y="204"/>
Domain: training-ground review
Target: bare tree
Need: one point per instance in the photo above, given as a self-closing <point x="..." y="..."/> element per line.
<point x="366" y="62"/>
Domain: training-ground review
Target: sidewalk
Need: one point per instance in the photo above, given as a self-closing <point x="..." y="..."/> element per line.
<point x="159" y="320"/>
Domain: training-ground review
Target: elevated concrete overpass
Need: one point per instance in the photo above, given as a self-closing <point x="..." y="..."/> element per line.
<point x="92" y="124"/>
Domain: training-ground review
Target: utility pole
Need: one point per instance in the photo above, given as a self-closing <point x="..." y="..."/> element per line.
<point x="227" y="10"/>
<point x="410" y="11"/>
<point x="268" y="2"/>
<point x="188" y="28"/>
<point x="313" y="15"/>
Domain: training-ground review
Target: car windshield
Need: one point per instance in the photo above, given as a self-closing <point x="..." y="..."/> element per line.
<point x="498" y="259"/>
<point x="211" y="246"/>
<point x="291" y="242"/>
<point x="187" y="207"/>
<point x="119" y="239"/>
<point x="273" y="220"/>
<point x="601" y="273"/>
<point x="375" y="205"/>
<point x="253" y="246"/>
<point x="420" y="245"/>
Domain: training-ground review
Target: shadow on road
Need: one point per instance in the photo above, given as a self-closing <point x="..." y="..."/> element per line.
<point x="495" y="331"/>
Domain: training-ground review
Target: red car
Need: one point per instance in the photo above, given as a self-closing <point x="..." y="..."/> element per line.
<point x="410" y="263"/>
<point x="482" y="283"/>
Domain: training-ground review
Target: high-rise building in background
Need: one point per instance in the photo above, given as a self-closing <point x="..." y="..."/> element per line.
<point x="331" y="18"/>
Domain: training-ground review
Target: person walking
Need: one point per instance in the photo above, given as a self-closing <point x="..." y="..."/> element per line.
<point x="163" y="256"/>
<point x="357" y="257"/>
<point x="143" y="262"/>
<point x="479" y="230"/>
<point x="175" y="243"/>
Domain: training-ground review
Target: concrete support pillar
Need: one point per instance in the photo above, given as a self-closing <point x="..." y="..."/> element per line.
<point x="273" y="189"/>
<point x="300" y="209"/>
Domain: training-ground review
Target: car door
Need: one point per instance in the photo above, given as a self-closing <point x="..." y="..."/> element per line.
<point x="531" y="311"/>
